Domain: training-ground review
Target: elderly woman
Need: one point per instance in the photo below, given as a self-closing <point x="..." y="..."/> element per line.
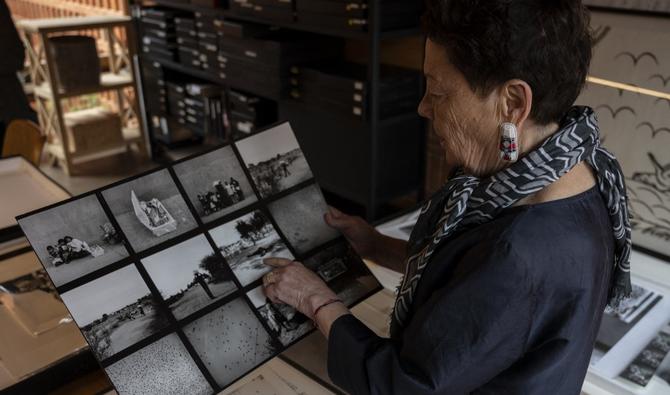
<point x="513" y="261"/>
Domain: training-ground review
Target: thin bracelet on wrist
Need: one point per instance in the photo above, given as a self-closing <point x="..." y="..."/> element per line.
<point x="327" y="303"/>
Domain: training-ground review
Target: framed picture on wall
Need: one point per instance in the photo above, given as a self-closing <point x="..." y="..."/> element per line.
<point x="629" y="88"/>
<point x="662" y="6"/>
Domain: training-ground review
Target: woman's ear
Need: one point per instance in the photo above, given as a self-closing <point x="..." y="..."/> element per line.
<point x="516" y="101"/>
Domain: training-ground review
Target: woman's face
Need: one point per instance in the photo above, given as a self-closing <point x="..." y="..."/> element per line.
<point x="465" y="123"/>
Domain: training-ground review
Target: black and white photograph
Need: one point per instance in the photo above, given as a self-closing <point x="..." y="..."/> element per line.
<point x="230" y="341"/>
<point x="245" y="242"/>
<point x="215" y="183"/>
<point x="149" y="210"/>
<point x="274" y="159"/>
<point x="344" y="272"/>
<point x="615" y="325"/>
<point x="286" y="323"/>
<point x="653" y="359"/>
<point x="163" y="367"/>
<point x="300" y="218"/>
<point x="74" y="239"/>
<point x="114" y="311"/>
<point x="189" y="276"/>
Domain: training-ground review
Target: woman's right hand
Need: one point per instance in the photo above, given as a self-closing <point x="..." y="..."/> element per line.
<point x="362" y="236"/>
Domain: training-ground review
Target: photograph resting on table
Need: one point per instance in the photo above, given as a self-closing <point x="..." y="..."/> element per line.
<point x="653" y="359"/>
<point x="286" y="323"/>
<point x="163" y="367"/>
<point x="74" y="239"/>
<point x="274" y="159"/>
<point x="300" y="218"/>
<point x="189" y="276"/>
<point x="215" y="183"/>
<point x="31" y="282"/>
<point x="344" y="272"/>
<point x="245" y="242"/>
<point x="149" y="210"/>
<point x="230" y="341"/>
<point x="615" y="325"/>
<point x="114" y="311"/>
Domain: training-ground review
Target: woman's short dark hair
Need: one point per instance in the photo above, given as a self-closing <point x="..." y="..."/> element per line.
<point x="546" y="43"/>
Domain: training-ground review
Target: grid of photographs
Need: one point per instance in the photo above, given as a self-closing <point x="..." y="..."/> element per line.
<point x="163" y="272"/>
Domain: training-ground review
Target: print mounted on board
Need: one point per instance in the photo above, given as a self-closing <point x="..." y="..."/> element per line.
<point x="634" y="124"/>
<point x="162" y="272"/>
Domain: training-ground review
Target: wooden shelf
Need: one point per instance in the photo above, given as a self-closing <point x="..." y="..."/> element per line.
<point x="79" y="23"/>
<point x="130" y="134"/>
<point x="108" y="81"/>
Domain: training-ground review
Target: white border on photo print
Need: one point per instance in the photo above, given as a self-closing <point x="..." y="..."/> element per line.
<point x="189" y="276"/>
<point x="300" y="218"/>
<point x="74" y="239"/>
<point x="114" y="311"/>
<point x="149" y="209"/>
<point x="246" y="241"/>
<point x="163" y="367"/>
<point x="274" y="159"/>
<point x="215" y="183"/>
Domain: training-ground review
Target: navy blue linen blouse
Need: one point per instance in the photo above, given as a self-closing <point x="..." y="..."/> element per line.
<point x="510" y="307"/>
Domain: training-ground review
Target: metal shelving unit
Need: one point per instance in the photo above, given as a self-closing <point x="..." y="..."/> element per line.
<point x="354" y="159"/>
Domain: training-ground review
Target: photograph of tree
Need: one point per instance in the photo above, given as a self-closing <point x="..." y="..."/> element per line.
<point x="245" y="242"/>
<point x="189" y="276"/>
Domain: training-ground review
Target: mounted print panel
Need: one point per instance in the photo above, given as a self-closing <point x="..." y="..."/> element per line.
<point x="635" y="125"/>
<point x="149" y="210"/>
<point x="189" y="276"/>
<point x="245" y="242"/>
<point x="115" y="311"/>
<point x="275" y="160"/>
<point x="163" y="367"/>
<point x="162" y="272"/>
<point x="215" y="183"/>
<point x="74" y="239"/>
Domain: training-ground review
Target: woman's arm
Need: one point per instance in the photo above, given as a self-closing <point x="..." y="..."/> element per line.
<point x="457" y="341"/>
<point x="368" y="242"/>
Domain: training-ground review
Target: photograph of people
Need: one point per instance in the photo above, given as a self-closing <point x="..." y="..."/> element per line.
<point x="215" y="183"/>
<point x="512" y="262"/>
<point x="274" y="159"/>
<point x="69" y="247"/>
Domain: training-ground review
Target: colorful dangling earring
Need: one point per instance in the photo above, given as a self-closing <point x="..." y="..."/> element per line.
<point x="509" y="142"/>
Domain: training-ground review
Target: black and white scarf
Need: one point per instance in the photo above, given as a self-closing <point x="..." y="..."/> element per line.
<point x="467" y="201"/>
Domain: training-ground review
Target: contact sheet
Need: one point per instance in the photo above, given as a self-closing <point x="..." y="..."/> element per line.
<point x="162" y="272"/>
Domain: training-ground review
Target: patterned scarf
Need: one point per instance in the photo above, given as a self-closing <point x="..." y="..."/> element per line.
<point x="467" y="201"/>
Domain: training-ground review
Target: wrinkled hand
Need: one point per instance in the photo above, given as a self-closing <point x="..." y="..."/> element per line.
<point x="362" y="236"/>
<point x="293" y="284"/>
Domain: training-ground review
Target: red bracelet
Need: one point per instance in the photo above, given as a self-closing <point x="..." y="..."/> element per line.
<point x="316" y="311"/>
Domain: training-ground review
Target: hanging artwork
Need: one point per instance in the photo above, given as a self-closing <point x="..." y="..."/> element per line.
<point x="163" y="272"/>
<point x="661" y="6"/>
<point x="629" y="88"/>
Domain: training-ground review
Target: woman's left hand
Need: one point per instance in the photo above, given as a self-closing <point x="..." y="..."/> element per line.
<point x="293" y="284"/>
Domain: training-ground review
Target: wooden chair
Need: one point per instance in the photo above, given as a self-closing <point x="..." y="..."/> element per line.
<point x="24" y="138"/>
